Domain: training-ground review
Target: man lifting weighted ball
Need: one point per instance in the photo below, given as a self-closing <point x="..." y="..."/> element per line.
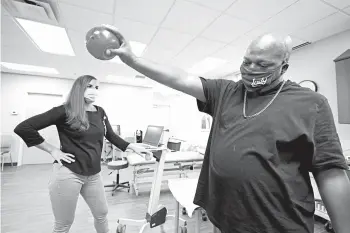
<point x="268" y="133"/>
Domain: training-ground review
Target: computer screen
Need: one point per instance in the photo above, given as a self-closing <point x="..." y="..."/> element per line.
<point x="153" y="135"/>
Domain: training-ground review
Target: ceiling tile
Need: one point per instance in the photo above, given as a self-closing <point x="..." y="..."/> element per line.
<point x="230" y="53"/>
<point x="296" y="17"/>
<point x="12" y="35"/>
<point x="171" y="40"/>
<point x="202" y="47"/>
<point x="135" y="31"/>
<point x="224" y="70"/>
<point x="220" y="5"/>
<point x="77" y="40"/>
<point x="243" y="41"/>
<point x="257" y="11"/>
<point x="106" y="7"/>
<point x="184" y="63"/>
<point x="188" y="17"/>
<point x="83" y="19"/>
<point x="341" y="4"/>
<point x="159" y="55"/>
<point x="199" y="49"/>
<point x="227" y="28"/>
<point x="347" y="10"/>
<point x="326" y="27"/>
<point x="150" y="11"/>
<point x="166" y="44"/>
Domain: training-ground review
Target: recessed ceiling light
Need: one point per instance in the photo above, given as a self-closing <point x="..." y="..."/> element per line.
<point x="206" y="65"/>
<point x="48" y="38"/>
<point x="29" y="68"/>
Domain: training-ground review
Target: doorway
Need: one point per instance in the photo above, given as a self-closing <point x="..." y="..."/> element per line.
<point x="39" y="103"/>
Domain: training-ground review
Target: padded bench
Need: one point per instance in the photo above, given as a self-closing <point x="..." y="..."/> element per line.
<point x="178" y="164"/>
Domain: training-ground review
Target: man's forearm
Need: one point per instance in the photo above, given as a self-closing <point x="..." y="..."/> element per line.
<point x="170" y="76"/>
<point x="334" y="187"/>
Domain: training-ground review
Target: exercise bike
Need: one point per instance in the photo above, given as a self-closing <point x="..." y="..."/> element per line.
<point x="156" y="215"/>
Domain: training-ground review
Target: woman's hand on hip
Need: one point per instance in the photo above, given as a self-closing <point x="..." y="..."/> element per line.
<point x="60" y="156"/>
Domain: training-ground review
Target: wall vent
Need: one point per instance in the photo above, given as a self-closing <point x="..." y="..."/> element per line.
<point x="44" y="11"/>
<point x="300" y="46"/>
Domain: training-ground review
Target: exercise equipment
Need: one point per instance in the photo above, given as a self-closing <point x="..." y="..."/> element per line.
<point x="99" y="40"/>
<point x="156" y="214"/>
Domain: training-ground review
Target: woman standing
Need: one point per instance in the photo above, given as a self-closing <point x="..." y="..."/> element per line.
<point x="82" y="127"/>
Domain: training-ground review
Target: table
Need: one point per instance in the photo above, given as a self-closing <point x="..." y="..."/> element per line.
<point x="184" y="190"/>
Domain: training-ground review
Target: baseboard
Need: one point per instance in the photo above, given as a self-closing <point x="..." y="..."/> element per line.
<point x="9" y="164"/>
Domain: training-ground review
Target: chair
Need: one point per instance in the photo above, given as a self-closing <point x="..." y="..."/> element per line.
<point x="6" y="146"/>
<point x="118" y="165"/>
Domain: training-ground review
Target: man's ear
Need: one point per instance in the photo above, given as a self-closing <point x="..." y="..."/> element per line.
<point x="284" y="68"/>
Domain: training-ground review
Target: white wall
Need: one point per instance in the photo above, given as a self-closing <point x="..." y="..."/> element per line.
<point x="315" y="62"/>
<point x="186" y="120"/>
<point x="127" y="106"/>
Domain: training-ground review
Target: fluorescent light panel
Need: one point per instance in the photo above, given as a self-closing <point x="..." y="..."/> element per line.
<point x="48" y="38"/>
<point x="29" y="68"/>
<point x="137" y="48"/>
<point x="206" y="65"/>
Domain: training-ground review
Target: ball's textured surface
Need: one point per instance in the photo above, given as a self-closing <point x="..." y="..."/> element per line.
<point x="99" y="40"/>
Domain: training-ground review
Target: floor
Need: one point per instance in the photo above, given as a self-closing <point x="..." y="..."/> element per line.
<point x="25" y="204"/>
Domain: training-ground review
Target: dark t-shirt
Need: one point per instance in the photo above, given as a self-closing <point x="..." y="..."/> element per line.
<point x="255" y="174"/>
<point x="86" y="146"/>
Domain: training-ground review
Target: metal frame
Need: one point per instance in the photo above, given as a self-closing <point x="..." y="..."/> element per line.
<point x="153" y="205"/>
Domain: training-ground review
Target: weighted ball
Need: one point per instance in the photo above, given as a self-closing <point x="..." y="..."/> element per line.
<point x="99" y="40"/>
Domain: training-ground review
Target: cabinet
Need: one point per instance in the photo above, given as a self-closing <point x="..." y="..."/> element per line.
<point x="342" y="67"/>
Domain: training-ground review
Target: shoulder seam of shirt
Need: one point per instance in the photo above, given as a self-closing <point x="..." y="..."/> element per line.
<point x="321" y="103"/>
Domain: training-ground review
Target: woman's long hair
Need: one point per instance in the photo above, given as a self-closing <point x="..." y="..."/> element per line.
<point x="75" y="104"/>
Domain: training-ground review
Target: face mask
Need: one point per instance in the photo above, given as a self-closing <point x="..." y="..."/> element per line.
<point x="91" y="94"/>
<point x="256" y="80"/>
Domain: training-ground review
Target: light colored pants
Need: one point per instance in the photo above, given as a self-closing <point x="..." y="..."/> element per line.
<point x="65" y="186"/>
